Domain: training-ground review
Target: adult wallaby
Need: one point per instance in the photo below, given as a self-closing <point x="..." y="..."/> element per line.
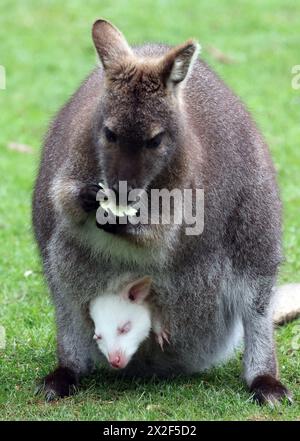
<point x="157" y="117"/>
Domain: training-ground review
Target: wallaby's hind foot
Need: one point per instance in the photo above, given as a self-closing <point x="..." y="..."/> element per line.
<point x="268" y="390"/>
<point x="60" y="383"/>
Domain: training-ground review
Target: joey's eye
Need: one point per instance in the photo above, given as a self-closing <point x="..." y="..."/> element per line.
<point x="155" y="142"/>
<point x="110" y="135"/>
<point x="97" y="337"/>
<point x="124" y="329"/>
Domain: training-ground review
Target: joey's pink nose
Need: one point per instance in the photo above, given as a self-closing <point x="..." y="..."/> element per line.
<point x="117" y="360"/>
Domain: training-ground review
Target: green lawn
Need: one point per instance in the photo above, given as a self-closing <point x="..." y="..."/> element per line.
<point x="47" y="50"/>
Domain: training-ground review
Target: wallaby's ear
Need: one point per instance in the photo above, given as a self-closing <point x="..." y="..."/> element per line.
<point x="110" y="43"/>
<point x="138" y="290"/>
<point x="178" y="62"/>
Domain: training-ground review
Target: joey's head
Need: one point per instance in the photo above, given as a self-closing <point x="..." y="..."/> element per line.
<point x="122" y="321"/>
<point x="138" y="124"/>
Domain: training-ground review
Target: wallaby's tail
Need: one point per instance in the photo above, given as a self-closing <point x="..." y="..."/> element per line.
<point x="287" y="303"/>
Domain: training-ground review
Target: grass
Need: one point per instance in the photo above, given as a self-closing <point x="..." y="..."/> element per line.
<point x="46" y="49"/>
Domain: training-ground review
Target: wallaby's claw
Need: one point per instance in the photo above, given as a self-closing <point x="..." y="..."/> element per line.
<point x="162" y="337"/>
<point x="166" y="336"/>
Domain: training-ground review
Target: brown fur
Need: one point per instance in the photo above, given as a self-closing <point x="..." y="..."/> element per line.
<point x="210" y="286"/>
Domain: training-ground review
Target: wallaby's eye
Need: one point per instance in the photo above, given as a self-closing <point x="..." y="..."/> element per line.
<point x="155" y="142"/>
<point x="125" y="328"/>
<point x="110" y="135"/>
<point x="97" y="337"/>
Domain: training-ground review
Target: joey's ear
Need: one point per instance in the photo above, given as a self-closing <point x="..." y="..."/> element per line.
<point x="138" y="290"/>
<point x="110" y="43"/>
<point x="177" y="63"/>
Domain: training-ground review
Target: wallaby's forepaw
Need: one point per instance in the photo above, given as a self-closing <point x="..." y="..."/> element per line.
<point x="60" y="383"/>
<point x="161" y="337"/>
<point x="87" y="197"/>
<point x="267" y="390"/>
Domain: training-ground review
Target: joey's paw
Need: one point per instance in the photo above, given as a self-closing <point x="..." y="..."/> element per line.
<point x="87" y="197"/>
<point x="267" y="390"/>
<point x="60" y="383"/>
<point x="161" y="337"/>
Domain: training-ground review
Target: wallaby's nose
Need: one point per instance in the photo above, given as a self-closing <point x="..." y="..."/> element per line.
<point x="117" y="361"/>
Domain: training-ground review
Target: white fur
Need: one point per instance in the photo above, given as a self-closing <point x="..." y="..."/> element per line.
<point x="287" y="302"/>
<point x="110" y="312"/>
<point x="179" y="72"/>
<point x="110" y="245"/>
<point x="234" y="342"/>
